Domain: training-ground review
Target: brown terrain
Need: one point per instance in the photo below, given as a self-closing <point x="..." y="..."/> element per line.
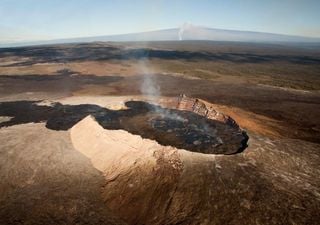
<point x="82" y="142"/>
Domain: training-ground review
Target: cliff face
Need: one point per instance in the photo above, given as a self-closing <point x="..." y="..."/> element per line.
<point x="146" y="183"/>
<point x="199" y="107"/>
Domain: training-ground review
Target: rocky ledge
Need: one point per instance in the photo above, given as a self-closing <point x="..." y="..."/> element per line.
<point x="199" y="107"/>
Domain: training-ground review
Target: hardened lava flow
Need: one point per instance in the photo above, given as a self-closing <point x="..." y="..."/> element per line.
<point x="185" y="124"/>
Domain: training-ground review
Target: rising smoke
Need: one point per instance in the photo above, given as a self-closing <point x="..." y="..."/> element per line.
<point x="151" y="90"/>
<point x="149" y="87"/>
<point x="183" y="29"/>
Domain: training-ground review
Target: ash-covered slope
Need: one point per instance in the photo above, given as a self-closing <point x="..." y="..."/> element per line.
<point x="146" y="183"/>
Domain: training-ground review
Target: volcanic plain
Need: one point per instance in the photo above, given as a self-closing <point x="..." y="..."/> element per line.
<point x="185" y="132"/>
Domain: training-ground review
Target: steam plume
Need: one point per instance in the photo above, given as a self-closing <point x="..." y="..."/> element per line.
<point x="149" y="87"/>
<point x="151" y="90"/>
<point x="182" y="30"/>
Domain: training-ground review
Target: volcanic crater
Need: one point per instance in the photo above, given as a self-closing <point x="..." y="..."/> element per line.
<point x="185" y="123"/>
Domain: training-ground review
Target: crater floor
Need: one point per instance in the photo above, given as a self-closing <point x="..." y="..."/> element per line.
<point x="170" y="127"/>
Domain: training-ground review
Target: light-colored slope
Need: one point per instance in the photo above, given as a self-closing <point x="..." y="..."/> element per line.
<point x="110" y="148"/>
<point x="139" y="173"/>
<point x="146" y="183"/>
<point x="44" y="180"/>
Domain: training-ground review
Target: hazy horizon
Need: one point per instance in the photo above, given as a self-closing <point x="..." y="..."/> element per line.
<point x="33" y="20"/>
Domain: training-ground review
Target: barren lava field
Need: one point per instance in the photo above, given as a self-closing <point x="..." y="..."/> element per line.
<point x="98" y="133"/>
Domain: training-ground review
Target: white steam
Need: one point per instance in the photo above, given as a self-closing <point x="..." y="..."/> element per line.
<point x="171" y="115"/>
<point x="149" y="87"/>
<point x="151" y="90"/>
<point x="183" y="29"/>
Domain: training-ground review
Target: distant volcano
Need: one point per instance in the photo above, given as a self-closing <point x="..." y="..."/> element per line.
<point x="186" y="32"/>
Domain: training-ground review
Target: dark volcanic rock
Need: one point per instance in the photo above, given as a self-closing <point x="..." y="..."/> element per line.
<point x="179" y="128"/>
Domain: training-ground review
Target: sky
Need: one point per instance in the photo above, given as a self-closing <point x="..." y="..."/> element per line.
<point x="25" y="20"/>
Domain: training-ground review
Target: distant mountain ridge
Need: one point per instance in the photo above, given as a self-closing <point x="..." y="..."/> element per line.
<point x="185" y="32"/>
